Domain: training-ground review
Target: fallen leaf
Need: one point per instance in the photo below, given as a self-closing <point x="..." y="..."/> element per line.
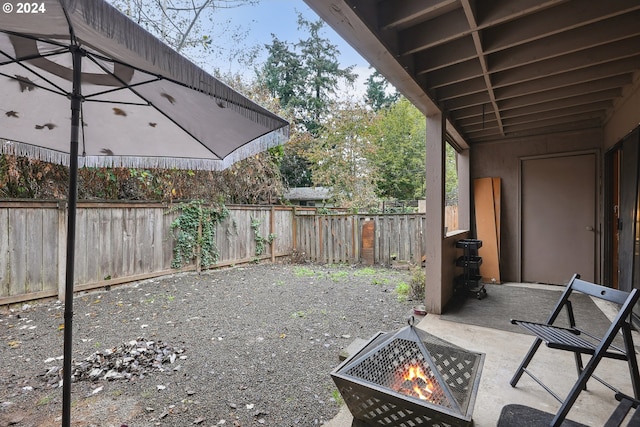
<point x="14" y="344"/>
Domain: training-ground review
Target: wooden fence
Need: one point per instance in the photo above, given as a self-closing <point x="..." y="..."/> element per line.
<point x="342" y="238"/>
<point x="124" y="242"/>
<point x="115" y="243"/>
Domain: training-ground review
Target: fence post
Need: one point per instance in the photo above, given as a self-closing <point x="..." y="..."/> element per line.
<point x="272" y="229"/>
<point x="294" y="229"/>
<point x="63" y="211"/>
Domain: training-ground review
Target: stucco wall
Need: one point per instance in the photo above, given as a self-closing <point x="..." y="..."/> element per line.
<point x="503" y="160"/>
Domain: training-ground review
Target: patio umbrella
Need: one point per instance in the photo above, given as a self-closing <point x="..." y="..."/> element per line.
<point x="83" y="85"/>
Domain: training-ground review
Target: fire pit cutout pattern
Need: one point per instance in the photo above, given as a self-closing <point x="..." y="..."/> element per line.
<point x="410" y="378"/>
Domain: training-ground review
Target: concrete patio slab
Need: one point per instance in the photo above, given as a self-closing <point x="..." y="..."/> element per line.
<point x="504" y="352"/>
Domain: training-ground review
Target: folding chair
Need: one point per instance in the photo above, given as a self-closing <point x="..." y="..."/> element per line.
<point x="580" y="342"/>
<point x="626" y="405"/>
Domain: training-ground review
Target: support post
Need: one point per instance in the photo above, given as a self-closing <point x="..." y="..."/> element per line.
<point x="434" y="224"/>
<point x="464" y="191"/>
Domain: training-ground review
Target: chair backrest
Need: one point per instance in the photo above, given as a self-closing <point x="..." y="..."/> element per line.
<point x="625" y="299"/>
<point x="598" y="291"/>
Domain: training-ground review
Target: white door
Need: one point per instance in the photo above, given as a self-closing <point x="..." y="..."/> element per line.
<point x="558" y="218"/>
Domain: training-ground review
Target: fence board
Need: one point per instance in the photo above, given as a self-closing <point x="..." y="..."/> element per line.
<point x="337" y="238"/>
<point x="17" y="252"/>
<point x="116" y="241"/>
<point x="49" y="249"/>
<point x="105" y="263"/>
<point x="4" y="253"/>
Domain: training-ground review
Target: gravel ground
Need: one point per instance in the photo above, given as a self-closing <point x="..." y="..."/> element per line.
<point x="251" y="345"/>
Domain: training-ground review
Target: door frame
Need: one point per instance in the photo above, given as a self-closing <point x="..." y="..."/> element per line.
<point x="597" y="208"/>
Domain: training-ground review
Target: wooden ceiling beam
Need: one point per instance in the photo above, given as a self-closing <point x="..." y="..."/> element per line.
<point x="457" y="90"/>
<point x="524" y="101"/>
<point x="576" y="40"/>
<point x="454" y="74"/>
<point x="434" y="32"/>
<point x="557" y="83"/>
<point x="394" y="13"/>
<point x="444" y="55"/>
<point x="618" y="50"/>
<point x="564" y="17"/>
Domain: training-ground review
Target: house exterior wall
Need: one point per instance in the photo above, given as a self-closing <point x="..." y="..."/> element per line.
<point x="503" y="160"/>
<point x="625" y="119"/>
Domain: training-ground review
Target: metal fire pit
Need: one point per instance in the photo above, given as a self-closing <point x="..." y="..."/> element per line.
<point x="410" y="378"/>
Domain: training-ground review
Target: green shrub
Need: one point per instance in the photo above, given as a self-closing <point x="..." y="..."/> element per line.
<point x="417" y="283"/>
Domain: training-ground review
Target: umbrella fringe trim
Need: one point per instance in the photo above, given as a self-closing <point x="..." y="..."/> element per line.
<point x="252" y="148"/>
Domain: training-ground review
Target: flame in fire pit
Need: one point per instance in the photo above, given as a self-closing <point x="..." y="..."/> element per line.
<point x="416" y="383"/>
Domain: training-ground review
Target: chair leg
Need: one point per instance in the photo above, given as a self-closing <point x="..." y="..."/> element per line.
<point x="525" y="362"/>
<point x="580" y="385"/>
<point x="631" y="359"/>
<point x="579" y="366"/>
<point x="584" y="376"/>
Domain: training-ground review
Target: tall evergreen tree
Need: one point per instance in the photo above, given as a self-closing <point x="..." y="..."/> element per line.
<point x="377" y="95"/>
<point x="324" y="74"/>
<point x="283" y="73"/>
<point x="305" y="78"/>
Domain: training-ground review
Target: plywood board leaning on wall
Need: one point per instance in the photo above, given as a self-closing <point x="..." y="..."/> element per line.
<point x="486" y="192"/>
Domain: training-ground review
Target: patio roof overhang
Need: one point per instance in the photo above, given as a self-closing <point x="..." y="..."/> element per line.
<point x="502" y="69"/>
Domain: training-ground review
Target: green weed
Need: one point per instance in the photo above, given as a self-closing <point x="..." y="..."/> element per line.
<point x="403" y="290"/>
<point x="335" y="394"/>
<point x="339" y="275"/>
<point x="303" y="272"/>
<point x="380" y="281"/>
<point x="45" y="400"/>
<point x="366" y="271"/>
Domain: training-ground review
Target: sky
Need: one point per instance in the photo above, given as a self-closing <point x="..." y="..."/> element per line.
<point x="280" y="17"/>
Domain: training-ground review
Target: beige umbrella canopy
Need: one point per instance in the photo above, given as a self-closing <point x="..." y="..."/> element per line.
<point x="143" y="104"/>
<point x="82" y="84"/>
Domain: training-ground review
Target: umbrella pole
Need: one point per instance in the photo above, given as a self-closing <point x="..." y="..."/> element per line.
<point x="76" y="100"/>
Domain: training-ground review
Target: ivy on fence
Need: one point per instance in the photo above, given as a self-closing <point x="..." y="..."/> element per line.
<point x="195" y="233"/>
<point x="261" y="241"/>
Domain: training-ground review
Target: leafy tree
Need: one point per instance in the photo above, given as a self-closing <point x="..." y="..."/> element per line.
<point x="400" y="152"/>
<point x="188" y="26"/>
<point x="377" y="96"/>
<point x="451" y="177"/>
<point x="340" y="154"/>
